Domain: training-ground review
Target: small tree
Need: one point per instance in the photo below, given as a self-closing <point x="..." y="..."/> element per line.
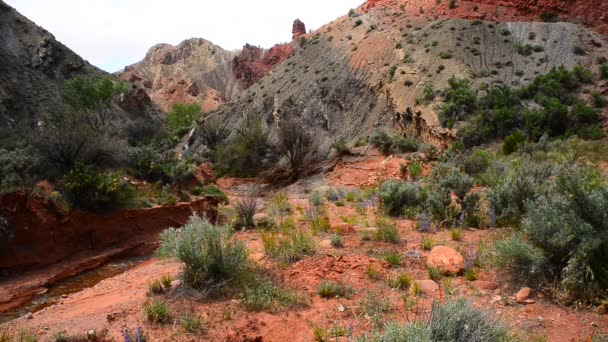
<point x="296" y="144"/>
<point x="184" y="115"/>
<point x="93" y="96"/>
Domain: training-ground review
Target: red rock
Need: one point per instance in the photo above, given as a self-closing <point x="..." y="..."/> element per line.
<point x="446" y="259"/>
<point x="522" y="295"/>
<point x="427" y="286"/>
<point x="254" y="62"/>
<point x="299" y="29"/>
<point x="485" y="285"/>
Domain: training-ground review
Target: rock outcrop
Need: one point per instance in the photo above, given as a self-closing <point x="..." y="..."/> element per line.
<point x="254" y="62"/>
<point x="33" y="66"/>
<point x="446" y="260"/>
<point x="299" y="29"/>
<point x="593" y="13"/>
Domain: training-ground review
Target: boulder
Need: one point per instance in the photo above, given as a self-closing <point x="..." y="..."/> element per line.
<point x="523" y="295"/>
<point x="485" y="285"/>
<point x="445" y="259"/>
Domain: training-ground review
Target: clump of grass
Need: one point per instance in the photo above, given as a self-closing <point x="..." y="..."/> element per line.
<point x="456" y="234"/>
<point x="415" y="288"/>
<point x="470" y="274"/>
<point x="157" y="312"/>
<point x="375" y="305"/>
<point x="427" y="243"/>
<point x="192" y="324"/>
<point x="393" y="258"/>
<point x="336" y="241"/>
<point x="435" y="274"/>
<point x="288" y="247"/>
<point x="402" y="281"/>
<point x="155" y="287"/>
<point x="263" y="295"/>
<point x="372" y="273"/>
<point x="330" y="289"/>
<point x="386" y="230"/>
<point x="244" y="210"/>
<point x="166" y="281"/>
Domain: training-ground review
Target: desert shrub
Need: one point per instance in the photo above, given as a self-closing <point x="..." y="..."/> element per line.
<point x="184" y="115"/>
<point x="579" y="50"/>
<point x="295" y="144"/>
<point x="93" y="97"/>
<point x="566" y="227"/>
<point x="262" y="294"/>
<point x="513" y="142"/>
<point x="604" y="71"/>
<point x="358" y="22"/>
<point x="455" y="321"/>
<point x="392" y="142"/>
<point x="212" y="190"/>
<point x="336" y="241"/>
<point x="18" y="168"/>
<point x="598" y="100"/>
<point x="155" y="287"/>
<point x="477" y="162"/>
<point x="213" y="132"/>
<point x="91" y="189"/>
<point x="211" y="259"/>
<point x="402" y="281"/>
<point x="330" y="289"/>
<point x="395" y="196"/>
<point x="157" y="312"/>
<point x="519" y="184"/>
<point x="244" y="210"/>
<point x="386" y="230"/>
<point x="394" y="259"/>
<point x="67" y="139"/>
<point x="445" y="54"/>
<point x="460" y="102"/>
<point x="151" y="163"/>
<point x="289" y="246"/>
<point x="428" y="95"/>
<point x="340" y="148"/>
<point x="458" y="183"/>
<point x="415" y="169"/>
<point x="247" y="153"/>
<point x="374" y="305"/>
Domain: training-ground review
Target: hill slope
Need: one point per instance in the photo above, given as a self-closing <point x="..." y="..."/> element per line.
<point x="367" y="70"/>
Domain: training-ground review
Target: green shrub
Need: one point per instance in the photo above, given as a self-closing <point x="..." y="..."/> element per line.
<point x="94" y="190"/>
<point x="393" y="142"/>
<point x="460" y="102"/>
<point x="435" y="274"/>
<point x="428" y="95"/>
<point x="456" y="234"/>
<point x="566" y="233"/>
<point x="451" y="321"/>
<point x="18" y="167"/>
<point x="445" y="54"/>
<point x="213" y="132"/>
<point x="470" y="274"/>
<point x="513" y="142"/>
<point x="296" y="144"/>
<point x="598" y="100"/>
<point x="604" y="71"/>
<point x="263" y="295"/>
<point x="166" y="281"/>
<point x="415" y="169"/>
<point x="477" y="162"/>
<point x="151" y="163"/>
<point x="184" y="115"/>
<point x="316" y="198"/>
<point x="395" y="196"/>
<point x="330" y="289"/>
<point x="212" y="190"/>
<point x="340" y="148"/>
<point x="336" y="241"/>
<point x="211" y="259"/>
<point x="157" y="312"/>
<point x="358" y="22"/>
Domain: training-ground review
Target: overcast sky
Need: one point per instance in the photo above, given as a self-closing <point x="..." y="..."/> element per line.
<point x="114" y="33"/>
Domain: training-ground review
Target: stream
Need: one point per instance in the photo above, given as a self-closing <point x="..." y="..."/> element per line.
<point x="72" y="285"/>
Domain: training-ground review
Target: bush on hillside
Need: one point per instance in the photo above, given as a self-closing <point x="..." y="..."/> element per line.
<point x="91" y="189"/>
<point x="295" y="144"/>
<point x="396" y="195"/>
<point x="184" y="115"/>
<point x="213" y="132"/>
<point x="18" y="168"/>
<point x="565" y="233"/>
<point x="211" y="259"/>
<point x="389" y="143"/>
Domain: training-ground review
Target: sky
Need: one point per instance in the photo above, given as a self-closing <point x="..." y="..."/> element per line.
<point x="111" y="34"/>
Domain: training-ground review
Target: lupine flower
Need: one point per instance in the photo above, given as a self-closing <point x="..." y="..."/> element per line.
<point x="424" y="223"/>
<point x="491" y="217"/>
<point x="138" y="333"/>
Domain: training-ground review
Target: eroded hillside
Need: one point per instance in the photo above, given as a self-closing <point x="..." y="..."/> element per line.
<point x="367" y="69"/>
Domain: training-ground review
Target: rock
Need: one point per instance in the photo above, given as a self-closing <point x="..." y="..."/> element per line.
<point x="485" y="285"/>
<point x="325" y="243"/>
<point x="256" y="256"/>
<point x="522" y="295"/>
<point x="447" y="260"/>
<point x="298" y="29"/>
<point x="427" y="286"/>
<point x="176" y="283"/>
<point x="29" y="315"/>
<point x="413" y="253"/>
